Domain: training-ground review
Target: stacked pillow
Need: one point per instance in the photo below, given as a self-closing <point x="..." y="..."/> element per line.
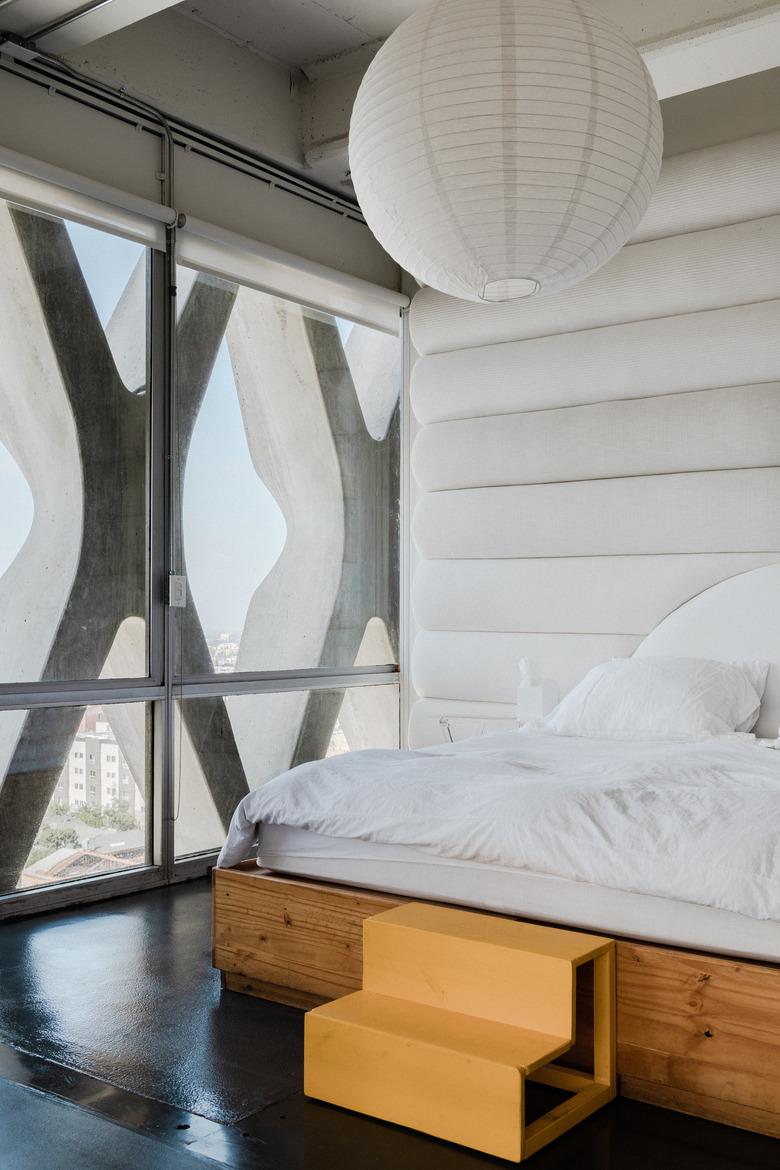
<point x="680" y="699"/>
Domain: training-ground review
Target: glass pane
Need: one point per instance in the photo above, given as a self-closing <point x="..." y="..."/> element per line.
<point x="74" y="426"/>
<point x="288" y="444"/>
<point x="225" y="747"/>
<point x="75" y="795"/>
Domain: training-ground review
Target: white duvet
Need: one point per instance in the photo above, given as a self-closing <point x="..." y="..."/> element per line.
<point x="693" y="821"/>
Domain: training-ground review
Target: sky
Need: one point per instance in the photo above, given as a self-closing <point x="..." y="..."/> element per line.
<point x="234" y="531"/>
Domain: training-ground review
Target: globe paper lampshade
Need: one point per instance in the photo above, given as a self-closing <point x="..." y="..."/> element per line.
<point x="504" y="148"/>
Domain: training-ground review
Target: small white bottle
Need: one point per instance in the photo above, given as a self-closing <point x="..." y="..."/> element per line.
<point x="535" y="697"/>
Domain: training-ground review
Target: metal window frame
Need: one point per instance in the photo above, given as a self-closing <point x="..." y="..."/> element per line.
<point x="161" y="687"/>
<point x="405" y="551"/>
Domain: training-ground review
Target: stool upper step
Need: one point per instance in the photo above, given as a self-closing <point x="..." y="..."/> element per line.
<point x="510" y="972"/>
<point x="471" y="925"/>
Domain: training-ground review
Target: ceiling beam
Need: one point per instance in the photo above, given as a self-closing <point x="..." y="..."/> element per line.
<point x="714" y="55"/>
<point x="59" y="26"/>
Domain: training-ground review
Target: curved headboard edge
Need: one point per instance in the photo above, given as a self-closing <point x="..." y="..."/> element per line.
<point x="735" y="619"/>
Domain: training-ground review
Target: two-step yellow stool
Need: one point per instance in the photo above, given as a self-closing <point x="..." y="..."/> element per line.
<point x="457" y="1010"/>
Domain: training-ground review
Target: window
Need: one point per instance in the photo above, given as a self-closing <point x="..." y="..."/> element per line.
<point x="288" y="443"/>
<point x="283" y="508"/>
<point x="70" y="843"/>
<point x="74" y="529"/>
<point x="74" y="430"/>
<point x="288" y="450"/>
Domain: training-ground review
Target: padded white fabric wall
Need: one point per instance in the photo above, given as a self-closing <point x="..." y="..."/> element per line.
<point x="589" y="461"/>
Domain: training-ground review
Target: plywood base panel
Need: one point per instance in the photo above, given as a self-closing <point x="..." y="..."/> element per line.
<point x="300" y="936"/>
<point x="700" y="1034"/>
<point x="697" y="1033"/>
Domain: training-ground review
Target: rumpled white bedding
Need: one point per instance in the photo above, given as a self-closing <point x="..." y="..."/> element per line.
<point x="693" y="821"/>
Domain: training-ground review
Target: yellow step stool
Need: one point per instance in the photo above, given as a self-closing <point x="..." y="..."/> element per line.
<point x="457" y="1010"/>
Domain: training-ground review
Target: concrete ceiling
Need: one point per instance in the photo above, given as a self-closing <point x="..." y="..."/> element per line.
<point x="299" y="32"/>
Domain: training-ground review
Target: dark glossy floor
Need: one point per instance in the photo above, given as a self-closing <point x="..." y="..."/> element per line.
<point x="117" y="1050"/>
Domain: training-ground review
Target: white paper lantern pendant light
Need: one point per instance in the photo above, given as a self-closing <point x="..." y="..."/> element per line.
<point x="502" y="148"/>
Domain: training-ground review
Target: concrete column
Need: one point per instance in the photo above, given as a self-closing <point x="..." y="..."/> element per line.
<point x="368" y="586"/>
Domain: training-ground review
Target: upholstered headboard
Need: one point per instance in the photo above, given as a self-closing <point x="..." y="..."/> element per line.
<point x="736" y="619"/>
<point x="588" y="462"/>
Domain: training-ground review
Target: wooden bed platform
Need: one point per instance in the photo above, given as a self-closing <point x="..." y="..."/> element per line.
<point x="697" y="1033"/>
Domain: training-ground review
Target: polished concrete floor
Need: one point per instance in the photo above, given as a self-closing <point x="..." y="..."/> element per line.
<point x="118" y="1051"/>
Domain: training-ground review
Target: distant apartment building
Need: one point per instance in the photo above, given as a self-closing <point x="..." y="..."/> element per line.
<point x="97" y="775"/>
<point x="224" y="654"/>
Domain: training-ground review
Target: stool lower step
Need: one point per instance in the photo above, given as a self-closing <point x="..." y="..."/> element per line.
<point x="437" y="1071"/>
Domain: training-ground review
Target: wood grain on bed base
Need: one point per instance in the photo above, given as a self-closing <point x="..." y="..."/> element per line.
<point x="696" y="1033"/>
<point x="300" y="936"/>
<point x="700" y="1034"/>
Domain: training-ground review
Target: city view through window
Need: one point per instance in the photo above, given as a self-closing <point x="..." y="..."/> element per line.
<point x="95" y="822"/>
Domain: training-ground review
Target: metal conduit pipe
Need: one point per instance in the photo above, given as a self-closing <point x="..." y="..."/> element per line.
<point x="68" y="19"/>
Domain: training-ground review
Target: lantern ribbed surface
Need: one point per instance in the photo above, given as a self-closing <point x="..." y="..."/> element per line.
<point x="501" y="148"/>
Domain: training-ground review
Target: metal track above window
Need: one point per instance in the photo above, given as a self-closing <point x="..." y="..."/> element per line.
<point x="186" y="135"/>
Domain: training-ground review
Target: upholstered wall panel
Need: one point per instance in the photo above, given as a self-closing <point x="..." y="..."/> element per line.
<point x="593" y="595"/>
<point x="483" y="666"/>
<point x="701" y="431"/>
<point x="710" y="511"/>
<point x="588" y="462"/>
<point x="696" y="351"/>
<point x="719" y="184"/>
<point x="731" y="265"/>
<point x="463" y="719"/>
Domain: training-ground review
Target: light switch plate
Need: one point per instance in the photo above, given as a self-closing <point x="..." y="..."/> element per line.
<point x="177" y="591"/>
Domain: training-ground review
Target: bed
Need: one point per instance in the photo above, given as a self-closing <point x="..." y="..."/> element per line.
<point x="336" y="860"/>
<point x="682" y="836"/>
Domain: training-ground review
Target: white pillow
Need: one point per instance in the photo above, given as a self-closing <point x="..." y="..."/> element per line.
<point x="757" y="673"/>
<point x="681" y="699"/>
